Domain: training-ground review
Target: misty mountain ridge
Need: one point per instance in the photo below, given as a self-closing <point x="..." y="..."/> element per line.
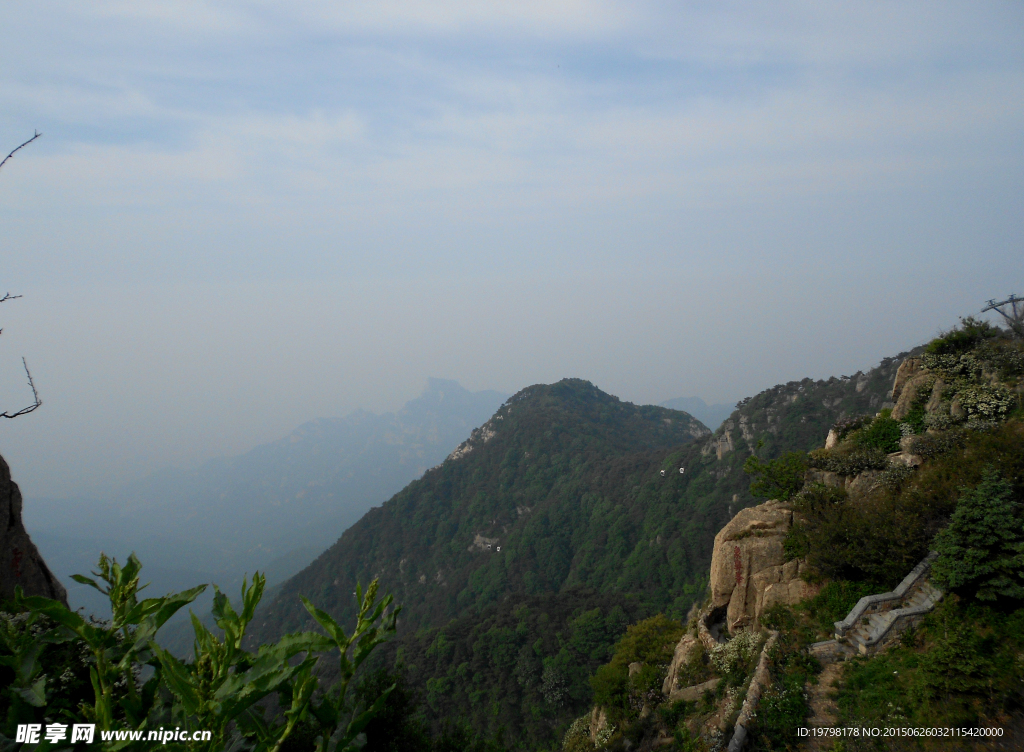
<point x="711" y="416"/>
<point x="514" y="478"/>
<point x="274" y="507"/>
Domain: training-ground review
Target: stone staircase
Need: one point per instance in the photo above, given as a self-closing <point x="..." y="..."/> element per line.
<point x="877" y="620"/>
<point x="874" y="628"/>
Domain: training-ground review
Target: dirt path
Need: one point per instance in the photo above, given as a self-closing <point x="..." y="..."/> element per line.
<point x="823" y="707"/>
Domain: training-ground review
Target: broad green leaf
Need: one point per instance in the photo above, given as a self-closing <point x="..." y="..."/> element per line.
<point x="35" y="695"/>
<point x="326" y="621"/>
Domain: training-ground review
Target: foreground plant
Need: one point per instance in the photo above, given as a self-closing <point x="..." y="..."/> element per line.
<point x="219" y="691"/>
<point x="340" y="723"/>
<point x="119" y="647"/>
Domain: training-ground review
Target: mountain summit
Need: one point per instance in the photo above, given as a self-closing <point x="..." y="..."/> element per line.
<point x="508" y="511"/>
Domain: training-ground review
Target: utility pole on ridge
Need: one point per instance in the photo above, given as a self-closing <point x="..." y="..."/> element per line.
<point x="1015" y="317"/>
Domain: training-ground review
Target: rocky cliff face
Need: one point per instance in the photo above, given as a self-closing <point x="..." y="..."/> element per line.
<point x="749" y="572"/>
<point x="20" y="562"/>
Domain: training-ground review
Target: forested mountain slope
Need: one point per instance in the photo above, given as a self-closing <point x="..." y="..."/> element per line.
<point x="568" y="482"/>
<point x="529" y="482"/>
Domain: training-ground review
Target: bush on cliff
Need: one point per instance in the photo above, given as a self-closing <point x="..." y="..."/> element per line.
<point x="982" y="549"/>
<point x="651" y="643"/>
<point x="967" y="336"/>
<point x="777" y="479"/>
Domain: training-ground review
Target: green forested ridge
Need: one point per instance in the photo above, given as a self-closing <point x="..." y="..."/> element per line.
<point x="567" y="480"/>
<point x="943" y="471"/>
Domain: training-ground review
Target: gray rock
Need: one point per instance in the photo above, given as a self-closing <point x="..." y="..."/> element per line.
<point x="20" y="562"/>
<point x="908" y="369"/>
<point x="695" y="692"/>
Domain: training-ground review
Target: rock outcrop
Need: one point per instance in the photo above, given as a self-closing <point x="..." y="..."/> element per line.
<point x="908" y="370"/>
<point x="20" y="562"/>
<point x="684" y="649"/>
<point x="749" y="571"/>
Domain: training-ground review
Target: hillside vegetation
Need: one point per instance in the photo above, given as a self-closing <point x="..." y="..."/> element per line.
<point x="568" y="481"/>
<point x="555" y="557"/>
<point x="940" y="470"/>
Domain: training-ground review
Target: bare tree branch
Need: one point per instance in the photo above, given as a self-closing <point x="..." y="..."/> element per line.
<point x="38" y="134"/>
<point x="36" y="402"/>
<point x="4" y="299"/>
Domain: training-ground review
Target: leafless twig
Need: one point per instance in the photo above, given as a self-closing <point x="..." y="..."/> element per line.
<point x="36" y="402"/>
<point x="38" y="134"/>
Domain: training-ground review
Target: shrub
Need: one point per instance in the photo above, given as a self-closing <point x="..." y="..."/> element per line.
<point x="777" y="479"/>
<point x="818" y="495"/>
<point x="843" y="428"/>
<point x="1008" y="361"/>
<point x="577" y="738"/>
<point x="220" y="689"/>
<point x="882" y="433"/>
<point x="879" y="539"/>
<point x="650" y="642"/>
<point x="956" y="663"/>
<point x="697" y="668"/>
<point x="644" y="687"/>
<point x="930" y="446"/>
<point x="967" y="336"/>
<point x="984" y="402"/>
<point x="896" y="476"/>
<point x="966" y="365"/>
<point x="796" y="544"/>
<point x="781" y="711"/>
<point x="733" y="659"/>
<point x="848" y="461"/>
<point x="982" y="549"/>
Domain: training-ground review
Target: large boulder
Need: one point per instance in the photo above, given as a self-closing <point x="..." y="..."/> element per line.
<point x="908" y="369"/>
<point x="20" y="562"/>
<point x="749" y="571"/>
<point x="680" y="657"/>
<point x="910" y="391"/>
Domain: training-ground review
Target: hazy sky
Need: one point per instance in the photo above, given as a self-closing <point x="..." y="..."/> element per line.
<point x="242" y="216"/>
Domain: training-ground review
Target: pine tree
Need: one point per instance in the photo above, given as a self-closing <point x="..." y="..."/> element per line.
<point x="982" y="550"/>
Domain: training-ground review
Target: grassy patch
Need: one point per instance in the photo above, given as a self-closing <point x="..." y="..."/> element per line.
<point x="963" y="667"/>
<point x="834" y="602"/>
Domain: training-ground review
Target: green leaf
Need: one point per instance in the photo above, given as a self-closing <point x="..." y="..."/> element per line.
<point x="87" y="581"/>
<point x="325" y="620"/>
<point x="178" y="679"/>
<point x="35" y="695"/>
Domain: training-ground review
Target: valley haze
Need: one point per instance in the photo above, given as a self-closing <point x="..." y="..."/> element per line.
<point x="243" y="218"/>
<point x="349" y="292"/>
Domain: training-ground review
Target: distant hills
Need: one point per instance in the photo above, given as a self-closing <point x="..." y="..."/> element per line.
<point x="273" y="508"/>
<point x="711" y="416"/>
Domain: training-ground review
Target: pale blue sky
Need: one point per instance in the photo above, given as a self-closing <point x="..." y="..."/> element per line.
<point x="245" y="215"/>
